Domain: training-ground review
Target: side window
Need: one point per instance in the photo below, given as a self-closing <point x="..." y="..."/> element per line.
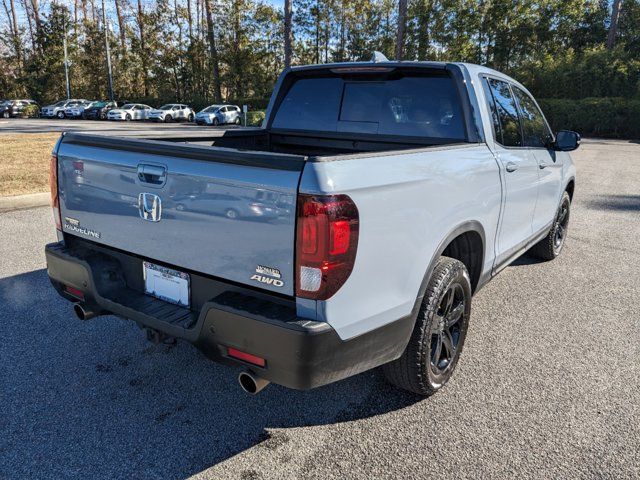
<point x="536" y="132"/>
<point x="507" y="114"/>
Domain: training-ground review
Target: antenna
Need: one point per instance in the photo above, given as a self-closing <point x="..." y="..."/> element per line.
<point x="378" y="57"/>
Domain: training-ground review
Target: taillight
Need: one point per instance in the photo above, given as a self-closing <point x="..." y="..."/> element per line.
<point x="53" y="183"/>
<point x="326" y="244"/>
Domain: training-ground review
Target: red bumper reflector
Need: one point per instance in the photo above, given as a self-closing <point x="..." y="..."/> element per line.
<point x="247" y="357"/>
<point x="79" y="294"/>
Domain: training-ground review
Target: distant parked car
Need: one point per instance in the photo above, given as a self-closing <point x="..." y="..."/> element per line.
<point x="76" y="110"/>
<point x="219" y="115"/>
<point x="57" y="109"/>
<point x="172" y="112"/>
<point x="14" y="108"/>
<point x="130" y="111"/>
<point x="99" y="110"/>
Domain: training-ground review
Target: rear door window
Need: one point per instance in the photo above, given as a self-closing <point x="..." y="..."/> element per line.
<point x="418" y="106"/>
<point x="505" y="112"/>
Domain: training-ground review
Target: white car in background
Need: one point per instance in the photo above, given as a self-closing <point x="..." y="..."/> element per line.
<point x="58" y="109"/>
<point x="76" y="110"/>
<point x="172" y="112"/>
<point x="130" y="111"/>
<point x="219" y="115"/>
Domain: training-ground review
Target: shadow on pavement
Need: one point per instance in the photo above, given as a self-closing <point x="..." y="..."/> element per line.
<point x="87" y="399"/>
<point x="621" y="203"/>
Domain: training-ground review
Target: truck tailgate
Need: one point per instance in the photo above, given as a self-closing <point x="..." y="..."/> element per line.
<point x="222" y="212"/>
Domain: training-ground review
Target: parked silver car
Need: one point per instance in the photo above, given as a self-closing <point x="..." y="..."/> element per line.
<point x="76" y="110"/>
<point x="58" y="109"/>
<point x="219" y="115"/>
<point x="172" y="112"/>
<point x="130" y="111"/>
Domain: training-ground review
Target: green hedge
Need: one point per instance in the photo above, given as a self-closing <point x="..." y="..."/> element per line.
<point x="254" y="119"/>
<point x="611" y="117"/>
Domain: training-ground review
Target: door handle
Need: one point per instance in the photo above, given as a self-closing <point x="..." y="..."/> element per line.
<point x="542" y="165"/>
<point x="152" y="174"/>
<point x="511" y="167"/>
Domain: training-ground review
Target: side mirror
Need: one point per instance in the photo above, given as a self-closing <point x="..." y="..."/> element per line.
<point x="566" y="141"/>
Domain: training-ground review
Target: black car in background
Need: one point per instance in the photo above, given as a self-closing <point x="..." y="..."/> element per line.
<point x="15" y="108"/>
<point x="99" y="110"/>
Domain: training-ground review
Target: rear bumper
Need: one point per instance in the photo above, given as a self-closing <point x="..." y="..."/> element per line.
<point x="299" y="353"/>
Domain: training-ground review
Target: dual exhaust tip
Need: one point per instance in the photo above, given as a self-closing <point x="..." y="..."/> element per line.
<point x="249" y="382"/>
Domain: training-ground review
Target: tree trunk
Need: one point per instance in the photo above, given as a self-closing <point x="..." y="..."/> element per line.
<point x="402" y="26"/>
<point x="15" y="31"/>
<point x="213" y="51"/>
<point x="613" y="26"/>
<point x="287" y="33"/>
<point x="190" y="21"/>
<point x="121" y="28"/>
<point x="424" y="20"/>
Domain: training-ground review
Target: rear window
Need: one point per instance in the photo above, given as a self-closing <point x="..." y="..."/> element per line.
<point x="417" y="106"/>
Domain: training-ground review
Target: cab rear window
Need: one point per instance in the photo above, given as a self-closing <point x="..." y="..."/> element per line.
<point x="416" y="106"/>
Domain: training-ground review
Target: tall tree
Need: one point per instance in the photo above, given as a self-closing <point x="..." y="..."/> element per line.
<point x="288" y="40"/>
<point x="213" y="53"/>
<point x="402" y="27"/>
<point x="613" y="26"/>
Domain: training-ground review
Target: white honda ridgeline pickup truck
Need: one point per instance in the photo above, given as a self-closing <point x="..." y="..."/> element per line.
<point x="349" y="232"/>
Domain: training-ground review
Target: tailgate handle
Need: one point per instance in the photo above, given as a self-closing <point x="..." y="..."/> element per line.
<point x="152" y="174"/>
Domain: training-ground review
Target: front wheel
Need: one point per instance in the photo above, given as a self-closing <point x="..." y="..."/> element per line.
<point x="550" y="246"/>
<point x="6" y="115"/>
<point x="60" y="115"/>
<point x="190" y="117"/>
<point x="168" y="119"/>
<point x="216" y="122"/>
<point x="435" y="345"/>
<point x="237" y="121"/>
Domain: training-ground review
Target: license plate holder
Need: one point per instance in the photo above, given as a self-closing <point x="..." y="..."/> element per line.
<point x="167" y="284"/>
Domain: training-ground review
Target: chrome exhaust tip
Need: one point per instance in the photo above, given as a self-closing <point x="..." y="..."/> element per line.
<point x="82" y="312"/>
<point x="252" y="384"/>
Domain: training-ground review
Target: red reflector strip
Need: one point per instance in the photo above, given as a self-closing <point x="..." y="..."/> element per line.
<point x="74" y="291"/>
<point x="247" y="357"/>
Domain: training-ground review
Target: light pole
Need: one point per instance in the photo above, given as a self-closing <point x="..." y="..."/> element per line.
<point x="106" y="47"/>
<point x="66" y="59"/>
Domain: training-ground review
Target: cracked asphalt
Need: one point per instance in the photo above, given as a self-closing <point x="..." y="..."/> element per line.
<point x="548" y="385"/>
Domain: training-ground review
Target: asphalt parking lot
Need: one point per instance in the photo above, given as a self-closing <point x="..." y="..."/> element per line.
<point x="47" y="125"/>
<point x="548" y="385"/>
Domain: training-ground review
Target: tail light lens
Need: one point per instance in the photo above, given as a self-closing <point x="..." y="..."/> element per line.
<point x="53" y="183"/>
<point x="326" y="244"/>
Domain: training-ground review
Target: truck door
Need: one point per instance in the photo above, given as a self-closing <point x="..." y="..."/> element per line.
<point x="519" y="170"/>
<point x="538" y="137"/>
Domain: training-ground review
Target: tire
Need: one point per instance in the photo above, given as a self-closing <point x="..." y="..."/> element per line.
<point x="231" y="214"/>
<point x="103" y="116"/>
<point x="60" y="115"/>
<point x="168" y="119"/>
<point x="180" y="207"/>
<point x="215" y="122"/>
<point x="6" y="115"/>
<point x="190" y="117"/>
<point x="127" y="118"/>
<point x="237" y="121"/>
<point x="434" y="348"/>
<point x="551" y="246"/>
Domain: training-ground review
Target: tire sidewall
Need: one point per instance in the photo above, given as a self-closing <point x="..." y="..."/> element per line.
<point x="436" y="290"/>
<point x="556" y="224"/>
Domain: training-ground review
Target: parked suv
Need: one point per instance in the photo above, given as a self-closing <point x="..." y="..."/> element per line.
<point x="14" y="108"/>
<point x="219" y="115"/>
<point x="76" y="110"/>
<point x="58" y="109"/>
<point x="405" y="187"/>
<point x="99" y="110"/>
<point x="172" y="112"/>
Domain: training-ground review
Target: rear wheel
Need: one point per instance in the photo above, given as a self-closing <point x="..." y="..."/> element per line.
<point x="237" y="121"/>
<point x="60" y="115"/>
<point x="435" y="345"/>
<point x="190" y="117"/>
<point x="550" y="246"/>
<point x="6" y="114"/>
<point x="231" y="214"/>
<point x="127" y="118"/>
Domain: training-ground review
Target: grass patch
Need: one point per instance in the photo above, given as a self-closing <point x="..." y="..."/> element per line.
<point x="24" y="164"/>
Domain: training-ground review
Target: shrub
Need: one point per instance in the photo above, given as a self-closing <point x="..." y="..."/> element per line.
<point x="612" y="117"/>
<point x="31" y="111"/>
<point x="255" y="118"/>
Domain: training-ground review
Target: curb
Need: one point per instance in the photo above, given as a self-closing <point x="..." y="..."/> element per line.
<point x="23" y="202"/>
